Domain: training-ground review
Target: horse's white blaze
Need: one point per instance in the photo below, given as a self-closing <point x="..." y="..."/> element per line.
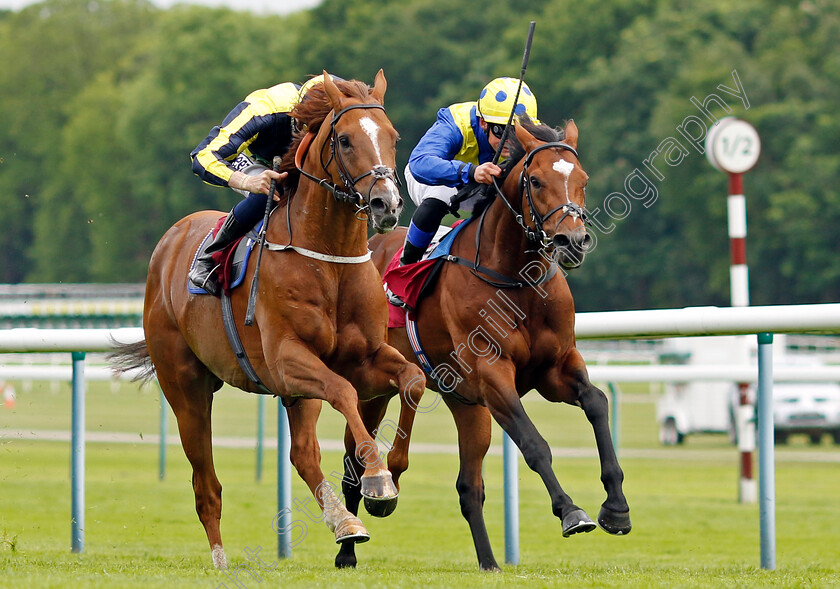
<point x="372" y="130"/>
<point x="564" y="168"/>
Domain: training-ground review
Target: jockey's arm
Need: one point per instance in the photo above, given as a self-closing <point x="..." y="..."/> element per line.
<point x="431" y="161"/>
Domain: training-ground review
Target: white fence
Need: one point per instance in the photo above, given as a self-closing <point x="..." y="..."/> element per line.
<point x="693" y="321"/>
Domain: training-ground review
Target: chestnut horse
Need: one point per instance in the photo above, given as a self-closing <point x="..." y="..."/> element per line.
<point x="320" y="319"/>
<point x="495" y="332"/>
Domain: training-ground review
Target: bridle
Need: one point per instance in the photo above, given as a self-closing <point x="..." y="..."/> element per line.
<point x="537" y="233"/>
<point x="350" y="195"/>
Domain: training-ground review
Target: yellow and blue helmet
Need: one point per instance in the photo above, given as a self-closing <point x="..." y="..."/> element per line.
<point x="496" y="101"/>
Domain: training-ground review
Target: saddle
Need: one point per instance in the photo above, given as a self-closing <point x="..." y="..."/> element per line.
<point x="231" y="262"/>
<point x="405" y="286"/>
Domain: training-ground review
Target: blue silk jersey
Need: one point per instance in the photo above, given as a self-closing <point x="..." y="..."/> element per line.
<point x="452" y="145"/>
<point x="259" y="126"/>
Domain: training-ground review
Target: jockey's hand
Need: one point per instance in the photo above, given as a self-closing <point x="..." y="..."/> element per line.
<point x="484" y="173"/>
<point x="259" y="184"/>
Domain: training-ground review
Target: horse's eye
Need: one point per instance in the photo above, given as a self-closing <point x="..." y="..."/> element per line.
<point x="344" y="141"/>
<point x="535" y="183"/>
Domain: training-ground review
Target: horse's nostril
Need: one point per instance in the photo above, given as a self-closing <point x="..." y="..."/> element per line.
<point x="377" y="205"/>
<point x="584" y="242"/>
<point x="561" y="240"/>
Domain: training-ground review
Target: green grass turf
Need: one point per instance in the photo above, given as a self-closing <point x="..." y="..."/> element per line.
<point x="689" y="530"/>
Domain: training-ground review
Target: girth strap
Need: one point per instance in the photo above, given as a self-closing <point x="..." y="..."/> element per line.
<point x="238" y="348"/>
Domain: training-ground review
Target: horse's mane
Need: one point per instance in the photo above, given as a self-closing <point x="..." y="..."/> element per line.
<point x="517" y="152"/>
<point x="309" y="115"/>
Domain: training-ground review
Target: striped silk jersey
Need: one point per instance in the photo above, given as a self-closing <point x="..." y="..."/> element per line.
<point x="259" y="126"/>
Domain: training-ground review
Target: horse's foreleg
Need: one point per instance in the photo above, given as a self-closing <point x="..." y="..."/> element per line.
<point x="473" y="423"/>
<point x="305" y="375"/>
<point x="305" y="455"/>
<point x="615" y="513"/>
<point x="499" y="392"/>
<point x="372" y="413"/>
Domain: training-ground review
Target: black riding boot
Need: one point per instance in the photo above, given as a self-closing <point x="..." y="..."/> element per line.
<point x="202" y="274"/>
<point x="422" y="228"/>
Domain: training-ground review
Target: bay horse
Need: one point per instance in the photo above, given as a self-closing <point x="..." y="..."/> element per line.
<point x="320" y="318"/>
<point x="500" y="323"/>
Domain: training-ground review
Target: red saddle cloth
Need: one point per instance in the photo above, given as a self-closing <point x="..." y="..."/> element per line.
<point x="407" y="283"/>
<point x="224" y="260"/>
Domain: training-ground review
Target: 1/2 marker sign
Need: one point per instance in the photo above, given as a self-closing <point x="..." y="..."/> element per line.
<point x="733" y="146"/>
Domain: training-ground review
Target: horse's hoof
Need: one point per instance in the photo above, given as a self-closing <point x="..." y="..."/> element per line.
<point x="379" y="486"/>
<point x="351" y="529"/>
<point x="380" y="493"/>
<point x="577" y="522"/>
<point x="614" y="522"/>
<point x="345" y="561"/>
<point x="380" y="507"/>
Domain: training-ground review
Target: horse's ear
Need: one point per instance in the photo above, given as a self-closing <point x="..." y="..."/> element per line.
<point x="333" y="93"/>
<point x="527" y="140"/>
<point x="379" y="86"/>
<point x="571" y="132"/>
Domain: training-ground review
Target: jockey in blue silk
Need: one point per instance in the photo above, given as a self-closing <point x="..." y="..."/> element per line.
<point x="238" y="154"/>
<point x="457" y="149"/>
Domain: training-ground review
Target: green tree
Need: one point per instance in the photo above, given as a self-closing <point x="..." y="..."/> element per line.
<point x="134" y="127"/>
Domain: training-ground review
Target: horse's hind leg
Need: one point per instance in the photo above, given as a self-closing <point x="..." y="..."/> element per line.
<point x="372" y="413"/>
<point x="383" y="374"/>
<point x="189" y="387"/>
<point x="473" y="423"/>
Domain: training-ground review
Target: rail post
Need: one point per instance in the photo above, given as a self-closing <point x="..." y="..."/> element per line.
<point x="766" y="452"/>
<point x="77" y="462"/>
<point x="164" y="427"/>
<point x="511" y="476"/>
<point x="284" y="483"/>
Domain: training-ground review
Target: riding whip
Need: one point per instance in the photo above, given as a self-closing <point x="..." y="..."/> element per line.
<point x="252" y="297"/>
<point x="467" y="191"/>
<point x="525" y="57"/>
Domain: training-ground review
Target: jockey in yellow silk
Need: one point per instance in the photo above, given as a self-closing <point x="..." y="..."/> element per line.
<point x="238" y="154"/>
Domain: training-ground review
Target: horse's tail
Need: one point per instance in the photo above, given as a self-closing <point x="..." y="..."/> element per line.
<point x="131" y="358"/>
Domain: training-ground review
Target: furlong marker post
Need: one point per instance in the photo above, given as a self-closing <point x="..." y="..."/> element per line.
<point x="733" y="146"/>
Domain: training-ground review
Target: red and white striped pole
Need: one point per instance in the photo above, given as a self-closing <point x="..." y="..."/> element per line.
<point x="733" y="146"/>
<point x="737" y="217"/>
<point x="740" y="297"/>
